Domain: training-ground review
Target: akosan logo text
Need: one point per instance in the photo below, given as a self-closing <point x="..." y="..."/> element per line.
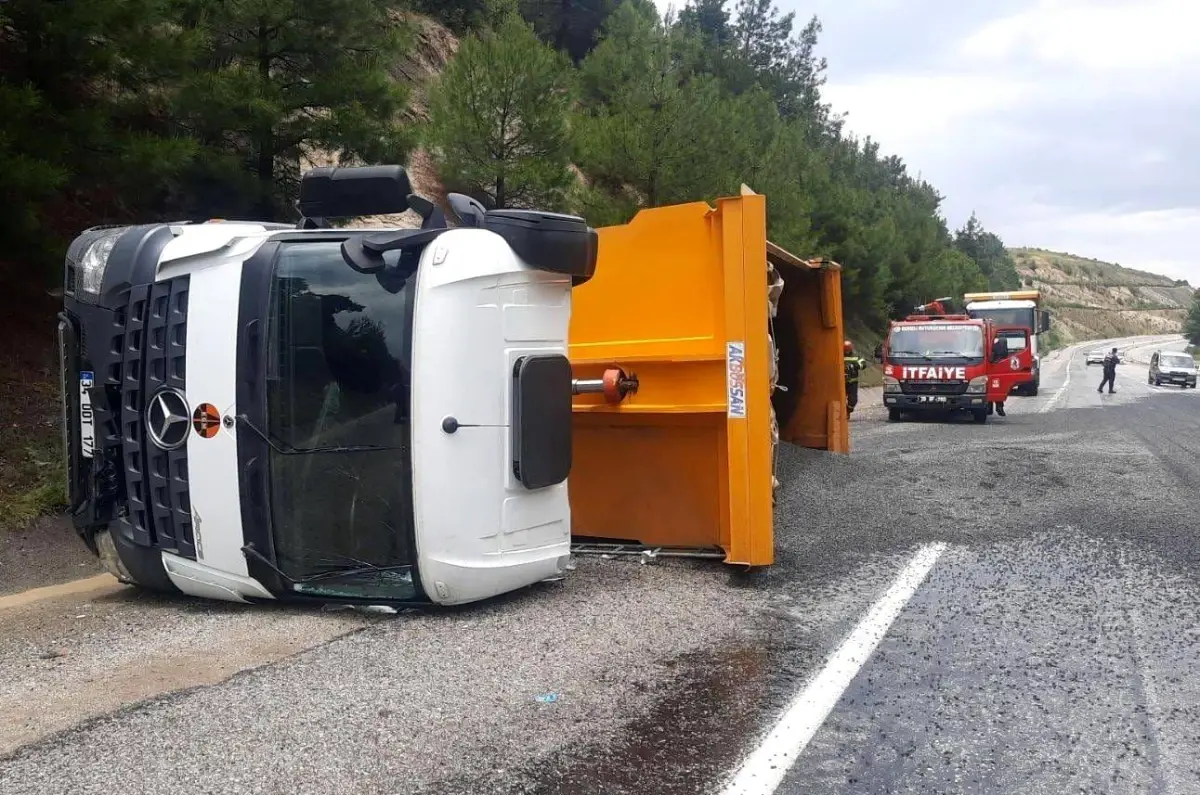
<point x="735" y="363"/>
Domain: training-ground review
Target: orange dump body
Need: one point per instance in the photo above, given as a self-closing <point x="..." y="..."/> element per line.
<point x="680" y="299"/>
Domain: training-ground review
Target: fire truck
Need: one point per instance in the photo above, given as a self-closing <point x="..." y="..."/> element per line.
<point x="939" y="361"/>
<point x="1017" y="309"/>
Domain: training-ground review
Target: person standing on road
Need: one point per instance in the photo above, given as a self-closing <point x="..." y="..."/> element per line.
<point x="854" y="366"/>
<point x="1110" y="371"/>
<point x="998" y="406"/>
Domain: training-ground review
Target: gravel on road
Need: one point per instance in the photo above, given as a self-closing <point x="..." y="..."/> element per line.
<point x="1054" y="647"/>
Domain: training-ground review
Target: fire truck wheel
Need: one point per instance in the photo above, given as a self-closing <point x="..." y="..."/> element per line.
<point x="980" y="416"/>
<point x="133" y="565"/>
<point x="893" y="415"/>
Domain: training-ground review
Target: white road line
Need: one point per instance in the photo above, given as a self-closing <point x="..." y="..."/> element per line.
<point x="764" y="769"/>
<point x="1062" y="389"/>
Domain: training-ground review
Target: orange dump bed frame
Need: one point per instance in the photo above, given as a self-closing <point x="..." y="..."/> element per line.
<point x="680" y="299"/>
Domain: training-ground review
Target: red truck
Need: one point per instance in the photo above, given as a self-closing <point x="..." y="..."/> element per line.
<point x="938" y="361"/>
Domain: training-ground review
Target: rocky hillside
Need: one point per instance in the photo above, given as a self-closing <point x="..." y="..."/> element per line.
<point x="433" y="46"/>
<point x="1091" y="299"/>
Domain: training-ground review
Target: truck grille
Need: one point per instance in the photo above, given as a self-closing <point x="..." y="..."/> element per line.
<point x="153" y="345"/>
<point x="933" y="387"/>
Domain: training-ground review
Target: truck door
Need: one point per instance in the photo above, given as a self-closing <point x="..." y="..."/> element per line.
<point x="1013" y="368"/>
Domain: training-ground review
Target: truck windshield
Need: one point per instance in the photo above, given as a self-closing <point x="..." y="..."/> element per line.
<point x="1024" y="316"/>
<point x="338" y="363"/>
<point x="936" y="341"/>
<point x="1178" y="360"/>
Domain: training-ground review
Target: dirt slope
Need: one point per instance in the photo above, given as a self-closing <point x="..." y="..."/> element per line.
<point x="1091" y="299"/>
<point x="432" y="46"/>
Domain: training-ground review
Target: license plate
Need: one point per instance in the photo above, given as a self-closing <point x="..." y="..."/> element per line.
<point x="931" y="399"/>
<point x="87" y="430"/>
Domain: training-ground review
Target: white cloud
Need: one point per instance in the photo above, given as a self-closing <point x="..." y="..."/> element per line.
<point x="1123" y="40"/>
<point x="1066" y="124"/>
<point x="1158" y="240"/>
<point x="906" y="109"/>
<point x="1034" y="119"/>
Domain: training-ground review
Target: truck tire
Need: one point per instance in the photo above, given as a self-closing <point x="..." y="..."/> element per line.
<point x="1033" y="387"/>
<point x="894" y="415"/>
<point x="133" y="565"/>
<point x="980" y="416"/>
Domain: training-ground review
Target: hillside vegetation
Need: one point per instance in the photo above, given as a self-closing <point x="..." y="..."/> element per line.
<point x="134" y="111"/>
<point x="1091" y="299"/>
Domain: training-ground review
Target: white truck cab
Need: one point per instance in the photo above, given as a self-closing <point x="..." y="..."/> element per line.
<point x="1012" y="309"/>
<point x="259" y="411"/>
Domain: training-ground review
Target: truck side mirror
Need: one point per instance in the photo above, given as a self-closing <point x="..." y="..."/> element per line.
<point x="879" y="353"/>
<point x="1043" y="321"/>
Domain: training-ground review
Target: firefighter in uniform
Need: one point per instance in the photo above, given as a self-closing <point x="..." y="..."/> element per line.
<point x="854" y="366"/>
<point x="998" y="406"/>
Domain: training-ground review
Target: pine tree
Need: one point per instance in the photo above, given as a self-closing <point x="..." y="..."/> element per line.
<point x="458" y="15"/>
<point x="277" y="79"/>
<point x="83" y="133"/>
<point x="1191" y="327"/>
<point x="498" y="118"/>
<point x="989" y="253"/>
<point x="658" y="128"/>
<point x="570" y="26"/>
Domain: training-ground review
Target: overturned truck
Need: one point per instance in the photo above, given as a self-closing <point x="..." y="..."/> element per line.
<point x="258" y="411"/>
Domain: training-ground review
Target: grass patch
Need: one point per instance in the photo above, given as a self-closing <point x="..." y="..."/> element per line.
<point x="1049" y="341"/>
<point x="32" y="474"/>
<point x="41" y="491"/>
<point x="865" y="341"/>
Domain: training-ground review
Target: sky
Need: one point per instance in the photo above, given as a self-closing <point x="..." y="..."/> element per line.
<point x="1064" y="124"/>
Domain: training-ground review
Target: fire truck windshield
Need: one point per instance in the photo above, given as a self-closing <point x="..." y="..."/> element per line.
<point x="929" y="341"/>
<point x="338" y="363"/>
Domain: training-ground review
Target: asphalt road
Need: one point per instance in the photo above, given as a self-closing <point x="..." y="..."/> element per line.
<point x="1047" y="642"/>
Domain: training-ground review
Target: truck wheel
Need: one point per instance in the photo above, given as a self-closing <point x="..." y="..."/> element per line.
<point x="1033" y="388"/>
<point x="131" y="564"/>
<point x="893" y="415"/>
<point x="980" y="416"/>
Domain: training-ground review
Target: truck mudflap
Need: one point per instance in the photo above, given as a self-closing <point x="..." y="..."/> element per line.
<point x="681" y="301"/>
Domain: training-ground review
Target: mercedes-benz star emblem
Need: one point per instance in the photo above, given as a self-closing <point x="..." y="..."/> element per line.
<point x="168" y="419"/>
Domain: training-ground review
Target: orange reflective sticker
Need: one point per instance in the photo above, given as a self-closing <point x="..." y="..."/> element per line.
<point x="206" y="420"/>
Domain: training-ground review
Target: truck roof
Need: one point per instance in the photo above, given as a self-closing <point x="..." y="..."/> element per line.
<point x="1014" y="295"/>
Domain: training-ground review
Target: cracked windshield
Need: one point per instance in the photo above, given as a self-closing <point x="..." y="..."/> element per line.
<point x="628" y="397"/>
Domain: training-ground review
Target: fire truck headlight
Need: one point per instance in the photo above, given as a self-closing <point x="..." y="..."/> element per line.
<point x="95" y="260"/>
<point x="977" y="385"/>
<point x="890" y="384"/>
